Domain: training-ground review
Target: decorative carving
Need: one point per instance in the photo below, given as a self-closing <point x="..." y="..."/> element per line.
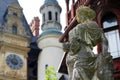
<point x="81" y="61"/>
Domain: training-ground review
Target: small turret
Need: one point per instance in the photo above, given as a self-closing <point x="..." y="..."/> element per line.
<point x="50" y="11"/>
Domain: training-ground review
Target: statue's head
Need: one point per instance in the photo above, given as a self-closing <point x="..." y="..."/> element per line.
<point x="84" y="13"/>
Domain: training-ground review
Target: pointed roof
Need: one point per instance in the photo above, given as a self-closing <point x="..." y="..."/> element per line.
<point x="3" y="8"/>
<point x="50" y="2"/>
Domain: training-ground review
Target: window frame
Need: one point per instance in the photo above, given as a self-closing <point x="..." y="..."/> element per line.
<point x="14" y="30"/>
<point x="56" y="16"/>
<point x="110" y="29"/>
<point x="43" y="17"/>
<point x="49" y="15"/>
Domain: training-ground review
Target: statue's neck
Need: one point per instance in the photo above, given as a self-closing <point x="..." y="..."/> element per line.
<point x="86" y="21"/>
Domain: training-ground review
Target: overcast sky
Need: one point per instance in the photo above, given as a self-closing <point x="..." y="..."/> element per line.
<point x="31" y="9"/>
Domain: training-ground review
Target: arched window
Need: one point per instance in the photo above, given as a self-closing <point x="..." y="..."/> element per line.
<point x="15" y="14"/>
<point x="14" y="29"/>
<point x="109" y="20"/>
<point x="44" y="17"/>
<point x="50" y="15"/>
<point x="110" y="27"/>
<point x="56" y="16"/>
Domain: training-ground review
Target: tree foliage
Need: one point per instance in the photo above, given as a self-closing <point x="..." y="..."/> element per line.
<point x="50" y="73"/>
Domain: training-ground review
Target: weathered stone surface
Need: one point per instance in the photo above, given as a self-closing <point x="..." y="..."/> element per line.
<point x="81" y="61"/>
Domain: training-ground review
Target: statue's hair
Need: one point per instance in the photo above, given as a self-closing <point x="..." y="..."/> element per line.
<point x="84" y="12"/>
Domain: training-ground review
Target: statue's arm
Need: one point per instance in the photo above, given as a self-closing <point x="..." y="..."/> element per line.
<point x="66" y="46"/>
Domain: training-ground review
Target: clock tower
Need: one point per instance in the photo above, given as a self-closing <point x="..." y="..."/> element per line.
<point x="14" y="41"/>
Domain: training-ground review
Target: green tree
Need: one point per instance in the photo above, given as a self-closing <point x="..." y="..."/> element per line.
<point x="50" y="73"/>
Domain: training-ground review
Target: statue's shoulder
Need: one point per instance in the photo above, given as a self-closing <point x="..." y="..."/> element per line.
<point x="92" y="23"/>
<point x="93" y="26"/>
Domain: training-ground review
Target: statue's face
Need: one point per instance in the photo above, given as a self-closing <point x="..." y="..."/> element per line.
<point x="84" y="13"/>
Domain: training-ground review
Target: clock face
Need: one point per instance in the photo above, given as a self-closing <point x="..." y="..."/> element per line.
<point x="14" y="61"/>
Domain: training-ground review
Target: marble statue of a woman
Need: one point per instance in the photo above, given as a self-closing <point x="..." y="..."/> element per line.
<point x="81" y="61"/>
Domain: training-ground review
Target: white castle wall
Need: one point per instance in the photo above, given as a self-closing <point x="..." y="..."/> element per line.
<point x="51" y="54"/>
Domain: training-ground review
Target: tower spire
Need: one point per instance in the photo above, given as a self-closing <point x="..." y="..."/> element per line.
<point x="51" y="1"/>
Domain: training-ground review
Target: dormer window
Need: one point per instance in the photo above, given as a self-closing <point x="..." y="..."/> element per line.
<point x="14" y="29"/>
<point x="15" y="14"/>
<point x="50" y="15"/>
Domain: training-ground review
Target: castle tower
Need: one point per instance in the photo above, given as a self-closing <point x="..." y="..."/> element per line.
<point x="48" y="40"/>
